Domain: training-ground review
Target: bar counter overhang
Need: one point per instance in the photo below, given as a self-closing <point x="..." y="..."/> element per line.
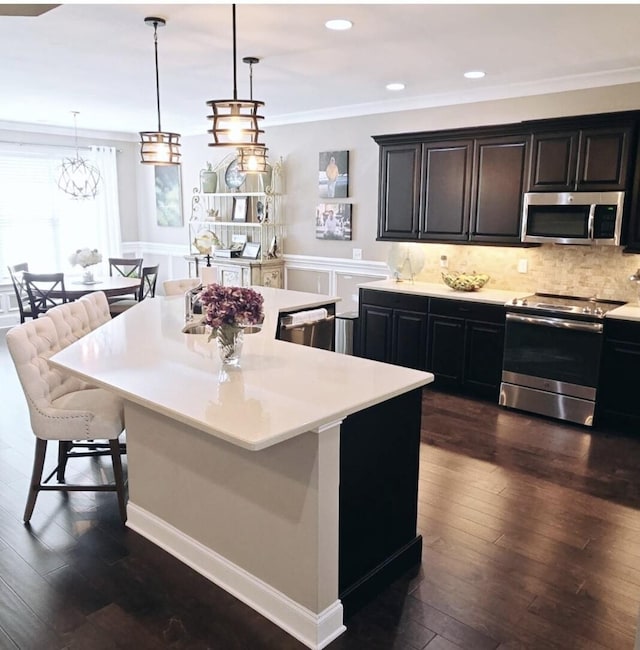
<point x="290" y="482"/>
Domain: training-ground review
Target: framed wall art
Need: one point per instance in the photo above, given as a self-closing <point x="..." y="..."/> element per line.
<point x="333" y="221"/>
<point x="333" y="174"/>
<point x="240" y="206"/>
<point x="168" y="190"/>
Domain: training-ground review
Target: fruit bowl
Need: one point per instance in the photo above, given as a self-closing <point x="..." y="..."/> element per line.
<point x="465" y="281"/>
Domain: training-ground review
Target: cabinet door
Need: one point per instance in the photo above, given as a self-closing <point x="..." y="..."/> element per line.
<point x="398" y="200"/>
<point x="603" y="159"/>
<point x="446" y="190"/>
<point x="500" y="174"/>
<point x="446" y="350"/>
<point x="484" y="343"/>
<point x="554" y="161"/>
<point x="376" y="328"/>
<point x="409" y="344"/>
<point x="617" y="403"/>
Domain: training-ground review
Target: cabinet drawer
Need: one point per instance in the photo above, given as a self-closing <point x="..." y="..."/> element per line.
<point x="394" y="300"/>
<point x="622" y="330"/>
<point x="467" y="310"/>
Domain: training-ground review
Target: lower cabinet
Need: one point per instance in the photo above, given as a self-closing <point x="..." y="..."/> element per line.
<point x="617" y="403"/>
<point x="461" y="342"/>
<point x="465" y="348"/>
<point x="393" y="328"/>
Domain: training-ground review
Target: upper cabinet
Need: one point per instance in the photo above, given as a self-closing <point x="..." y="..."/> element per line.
<point x="590" y="159"/>
<point x="467" y="185"/>
<point x="455" y="190"/>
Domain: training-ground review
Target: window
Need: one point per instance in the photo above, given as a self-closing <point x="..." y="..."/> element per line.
<point x="42" y="225"/>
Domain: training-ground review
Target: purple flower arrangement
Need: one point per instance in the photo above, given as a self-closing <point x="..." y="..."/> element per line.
<point x="227" y="308"/>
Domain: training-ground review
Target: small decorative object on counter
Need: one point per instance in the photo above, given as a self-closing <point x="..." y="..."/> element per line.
<point x="465" y="281"/>
<point x="636" y="278"/>
<point x="228" y="311"/>
<point x="86" y="257"/>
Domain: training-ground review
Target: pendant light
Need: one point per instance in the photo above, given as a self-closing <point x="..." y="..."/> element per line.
<point x="252" y="159"/>
<point x="77" y="176"/>
<point x="158" y="147"/>
<point x="235" y="121"/>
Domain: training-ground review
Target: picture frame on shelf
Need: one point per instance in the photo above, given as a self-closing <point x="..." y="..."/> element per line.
<point x="251" y="250"/>
<point x="240" y="208"/>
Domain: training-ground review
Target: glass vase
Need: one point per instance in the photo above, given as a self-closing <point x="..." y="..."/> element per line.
<point x="87" y="276"/>
<point x="229" y="343"/>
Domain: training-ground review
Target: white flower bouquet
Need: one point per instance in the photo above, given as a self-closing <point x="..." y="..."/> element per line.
<point x="85" y="257"/>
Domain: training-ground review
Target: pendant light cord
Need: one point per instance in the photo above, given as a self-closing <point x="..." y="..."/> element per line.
<point x="235" y="76"/>
<point x="155" y="40"/>
<point x="75" y="132"/>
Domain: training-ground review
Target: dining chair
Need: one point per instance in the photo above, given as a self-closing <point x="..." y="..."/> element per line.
<point x="45" y="290"/>
<point x="16" y="272"/>
<point x="66" y="409"/>
<point x="180" y="286"/>
<point x="147" y="290"/>
<point x="129" y="267"/>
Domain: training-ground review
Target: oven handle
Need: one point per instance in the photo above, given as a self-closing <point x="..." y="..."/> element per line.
<point x="595" y="328"/>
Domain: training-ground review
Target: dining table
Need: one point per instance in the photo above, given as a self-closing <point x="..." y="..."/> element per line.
<point x="112" y="286"/>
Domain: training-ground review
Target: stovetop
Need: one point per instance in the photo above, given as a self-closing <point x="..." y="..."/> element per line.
<point x="567" y="305"/>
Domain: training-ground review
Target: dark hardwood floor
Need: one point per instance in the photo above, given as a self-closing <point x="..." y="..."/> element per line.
<point x="531" y="540"/>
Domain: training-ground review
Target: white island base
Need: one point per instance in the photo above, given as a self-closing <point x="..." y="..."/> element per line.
<point x="271" y="516"/>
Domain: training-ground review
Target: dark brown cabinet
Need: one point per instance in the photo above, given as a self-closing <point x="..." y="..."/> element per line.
<point x="501" y="170"/>
<point x="589" y="159"/>
<point x="617" y="403"/>
<point x="393" y="328"/>
<point x="465" y="347"/>
<point x="399" y="195"/>
<point x="446" y="190"/>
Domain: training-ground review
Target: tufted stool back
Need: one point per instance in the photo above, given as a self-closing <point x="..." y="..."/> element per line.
<point x="97" y="306"/>
<point x="180" y="286"/>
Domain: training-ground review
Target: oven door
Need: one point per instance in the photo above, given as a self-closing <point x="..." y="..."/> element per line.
<point x="563" y="351"/>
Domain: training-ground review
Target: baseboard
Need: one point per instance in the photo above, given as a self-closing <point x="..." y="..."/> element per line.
<point x="370" y="586"/>
<point x="316" y="631"/>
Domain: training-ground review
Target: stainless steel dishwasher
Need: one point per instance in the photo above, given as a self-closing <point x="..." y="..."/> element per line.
<point x="314" y="328"/>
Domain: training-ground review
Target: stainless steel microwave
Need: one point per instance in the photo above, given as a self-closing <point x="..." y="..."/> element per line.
<point x="572" y="218"/>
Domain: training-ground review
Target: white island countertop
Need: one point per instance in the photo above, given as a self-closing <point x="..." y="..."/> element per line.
<point x="281" y="390"/>
<point x="435" y="290"/>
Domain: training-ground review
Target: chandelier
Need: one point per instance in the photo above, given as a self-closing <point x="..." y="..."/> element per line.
<point x="252" y="158"/>
<point x="158" y="147"/>
<point x="77" y="176"/>
<point x="235" y="121"/>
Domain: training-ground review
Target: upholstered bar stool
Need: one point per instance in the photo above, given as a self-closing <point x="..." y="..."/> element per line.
<point x="64" y="409"/>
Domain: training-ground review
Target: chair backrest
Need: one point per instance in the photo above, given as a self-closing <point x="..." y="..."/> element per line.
<point x="97" y="305"/>
<point x="45" y="290"/>
<point x="16" y="271"/>
<point x="30" y="345"/>
<point x="129" y="267"/>
<point x="180" y="286"/>
<point x="71" y="322"/>
<point x="149" y="281"/>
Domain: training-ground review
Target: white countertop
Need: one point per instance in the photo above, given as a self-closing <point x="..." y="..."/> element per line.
<point x="281" y="390"/>
<point x="630" y="311"/>
<point x="434" y="290"/>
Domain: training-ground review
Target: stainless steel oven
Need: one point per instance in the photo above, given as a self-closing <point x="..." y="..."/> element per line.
<point x="553" y="346"/>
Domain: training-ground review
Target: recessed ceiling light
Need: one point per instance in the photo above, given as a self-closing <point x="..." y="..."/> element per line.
<point x="474" y="74"/>
<point x="339" y="24"/>
<point x="395" y="86"/>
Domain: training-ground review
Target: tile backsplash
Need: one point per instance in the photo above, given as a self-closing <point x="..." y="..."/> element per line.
<point x="586" y="271"/>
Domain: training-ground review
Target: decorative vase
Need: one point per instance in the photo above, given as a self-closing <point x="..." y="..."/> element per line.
<point x="87" y="276"/>
<point x="229" y="343"/>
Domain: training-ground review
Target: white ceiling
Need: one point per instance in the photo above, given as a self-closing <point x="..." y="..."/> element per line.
<point x="99" y="60"/>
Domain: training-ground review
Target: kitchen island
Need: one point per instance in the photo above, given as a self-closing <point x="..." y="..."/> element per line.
<point x="291" y="482"/>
